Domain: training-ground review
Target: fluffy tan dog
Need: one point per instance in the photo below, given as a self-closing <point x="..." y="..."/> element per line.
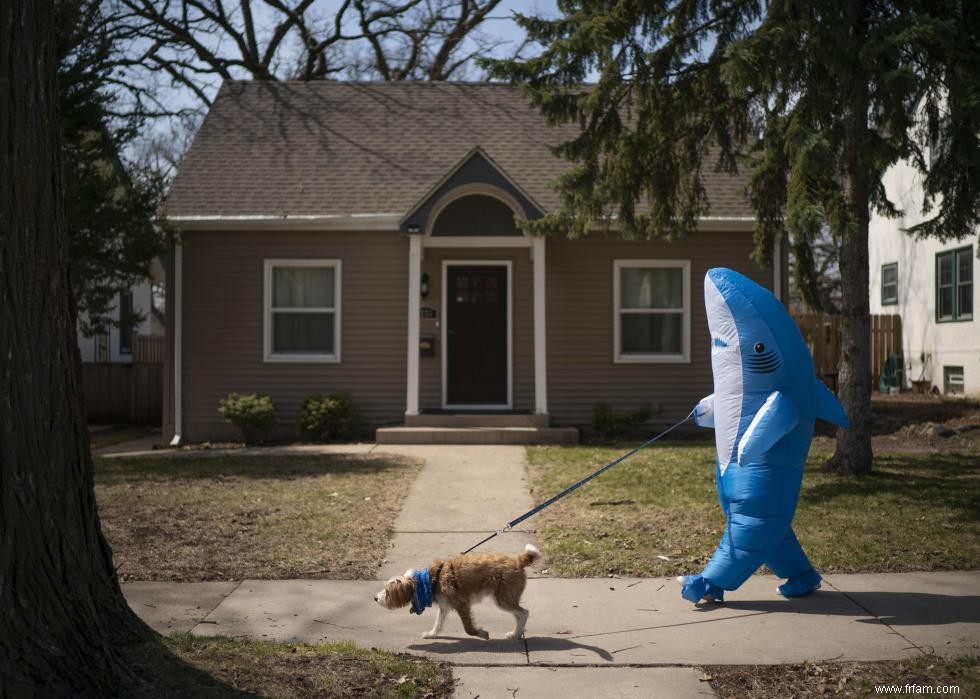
<point x="462" y="581"/>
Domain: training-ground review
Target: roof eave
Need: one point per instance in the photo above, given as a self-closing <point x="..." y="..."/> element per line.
<point x="327" y="222"/>
<point x="378" y="222"/>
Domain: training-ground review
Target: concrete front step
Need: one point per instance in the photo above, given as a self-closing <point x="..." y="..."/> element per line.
<point x="475" y="420"/>
<point x="476" y="435"/>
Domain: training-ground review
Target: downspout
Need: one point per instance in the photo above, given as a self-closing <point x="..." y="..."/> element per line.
<point x="178" y="323"/>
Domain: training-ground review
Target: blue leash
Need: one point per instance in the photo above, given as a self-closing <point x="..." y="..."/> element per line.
<point x="576" y="486"/>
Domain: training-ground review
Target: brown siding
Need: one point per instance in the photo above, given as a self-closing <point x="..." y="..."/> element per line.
<point x="430" y="368"/>
<point x="581" y="370"/>
<point x="223" y="325"/>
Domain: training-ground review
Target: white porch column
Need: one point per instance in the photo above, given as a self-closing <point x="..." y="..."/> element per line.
<point x="414" y="304"/>
<point x="540" y="330"/>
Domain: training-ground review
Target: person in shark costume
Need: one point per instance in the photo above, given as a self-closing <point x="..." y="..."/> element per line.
<point x="766" y="399"/>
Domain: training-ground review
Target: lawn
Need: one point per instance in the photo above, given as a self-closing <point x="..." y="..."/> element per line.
<point x="658" y="514"/>
<point x="830" y="679"/>
<point x="304" y="670"/>
<point x="119" y="435"/>
<point x="236" y="517"/>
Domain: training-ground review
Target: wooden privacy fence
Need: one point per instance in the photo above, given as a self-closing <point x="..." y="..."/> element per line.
<point x="128" y="393"/>
<point x="822" y="333"/>
<point x="148" y="349"/>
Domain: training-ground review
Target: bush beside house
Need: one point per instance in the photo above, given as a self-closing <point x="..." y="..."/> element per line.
<point x="252" y="414"/>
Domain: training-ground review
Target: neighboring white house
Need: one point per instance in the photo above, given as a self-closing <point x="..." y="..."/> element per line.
<point x="931" y="286"/>
<point x="137" y="302"/>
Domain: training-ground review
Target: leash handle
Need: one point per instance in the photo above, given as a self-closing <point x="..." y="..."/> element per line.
<point x="575" y="486"/>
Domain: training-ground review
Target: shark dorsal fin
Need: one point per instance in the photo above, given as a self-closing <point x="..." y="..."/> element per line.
<point x="828" y="408"/>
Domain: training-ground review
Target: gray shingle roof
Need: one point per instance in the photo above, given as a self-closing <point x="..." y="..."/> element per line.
<point x="344" y="148"/>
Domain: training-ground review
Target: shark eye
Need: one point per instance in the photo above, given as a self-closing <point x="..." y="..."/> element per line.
<point x="760" y="348"/>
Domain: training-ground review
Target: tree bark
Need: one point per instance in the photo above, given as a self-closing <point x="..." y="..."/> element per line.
<point x="65" y="627"/>
<point x="853" y="455"/>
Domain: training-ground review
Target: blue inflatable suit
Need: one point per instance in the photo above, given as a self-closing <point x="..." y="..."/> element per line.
<point x="766" y="400"/>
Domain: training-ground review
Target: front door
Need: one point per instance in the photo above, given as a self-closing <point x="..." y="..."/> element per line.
<point x="476" y="335"/>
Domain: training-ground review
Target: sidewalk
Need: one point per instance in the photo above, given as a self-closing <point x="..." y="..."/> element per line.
<point x="644" y="637"/>
<point x="608" y="622"/>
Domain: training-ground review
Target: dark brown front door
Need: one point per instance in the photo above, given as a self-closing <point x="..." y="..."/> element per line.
<point x="476" y="335"/>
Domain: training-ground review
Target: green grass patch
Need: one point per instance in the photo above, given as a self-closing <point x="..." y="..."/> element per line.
<point x="235" y="517"/>
<point x="914" y="512"/>
<point x="309" y="670"/>
<point x="918" y="676"/>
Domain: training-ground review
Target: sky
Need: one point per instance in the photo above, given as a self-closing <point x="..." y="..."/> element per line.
<point x="499" y="24"/>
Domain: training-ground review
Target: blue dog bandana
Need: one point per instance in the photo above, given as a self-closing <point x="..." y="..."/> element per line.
<point x="422" y="598"/>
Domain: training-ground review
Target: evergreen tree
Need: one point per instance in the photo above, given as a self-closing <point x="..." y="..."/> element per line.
<point x="110" y="205"/>
<point x="814" y="97"/>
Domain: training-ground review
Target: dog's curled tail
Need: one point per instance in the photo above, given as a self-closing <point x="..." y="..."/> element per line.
<point x="530" y="555"/>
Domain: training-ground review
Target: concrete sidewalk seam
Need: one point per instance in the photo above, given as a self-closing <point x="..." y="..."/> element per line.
<point x="912" y="644"/>
<point x="204" y="619"/>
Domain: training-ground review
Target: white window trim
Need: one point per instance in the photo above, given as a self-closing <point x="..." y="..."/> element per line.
<point x="446" y="264"/>
<point x="685" y="356"/>
<point x="283" y="358"/>
<point x="891" y="300"/>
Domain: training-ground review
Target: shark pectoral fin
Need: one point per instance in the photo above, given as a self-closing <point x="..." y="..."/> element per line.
<point x="828" y="407"/>
<point x="704" y="413"/>
<point x="775" y="419"/>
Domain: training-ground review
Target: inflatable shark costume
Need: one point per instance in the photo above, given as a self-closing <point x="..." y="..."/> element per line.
<point x="765" y="402"/>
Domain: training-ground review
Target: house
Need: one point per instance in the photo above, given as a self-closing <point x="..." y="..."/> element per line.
<point x="136" y="313"/>
<point x="930" y="284"/>
<point x="122" y="369"/>
<point x="362" y="237"/>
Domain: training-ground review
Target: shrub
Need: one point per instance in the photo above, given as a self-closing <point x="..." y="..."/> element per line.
<point x="333" y="418"/>
<point x="612" y="426"/>
<point x="252" y="414"/>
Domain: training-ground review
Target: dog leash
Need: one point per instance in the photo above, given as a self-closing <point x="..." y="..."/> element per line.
<point x="576" y="486"/>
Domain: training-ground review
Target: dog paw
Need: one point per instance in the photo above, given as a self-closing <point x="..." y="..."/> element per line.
<point x="430" y="634"/>
<point x="482" y="633"/>
<point x="510" y="635"/>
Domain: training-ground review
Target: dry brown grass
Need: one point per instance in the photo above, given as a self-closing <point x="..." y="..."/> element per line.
<point x="303" y="670"/>
<point x="231" y="518"/>
<point x="834" y="679"/>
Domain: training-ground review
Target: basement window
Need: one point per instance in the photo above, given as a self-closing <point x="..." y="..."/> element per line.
<point x="953" y="380"/>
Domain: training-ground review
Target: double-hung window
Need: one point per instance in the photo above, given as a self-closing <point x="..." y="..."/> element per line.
<point x="652" y="310"/>
<point x="302" y="310"/>
<point x="889" y="284"/>
<point x="954" y="284"/>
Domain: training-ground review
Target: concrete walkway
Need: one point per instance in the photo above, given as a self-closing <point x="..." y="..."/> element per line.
<point x="644" y="638"/>
<point x="462" y="495"/>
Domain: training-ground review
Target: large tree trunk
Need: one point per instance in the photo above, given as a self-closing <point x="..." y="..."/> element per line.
<point x="853" y="455"/>
<point x="65" y="628"/>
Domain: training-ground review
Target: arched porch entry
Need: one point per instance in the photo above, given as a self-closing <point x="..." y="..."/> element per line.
<point x="476" y="298"/>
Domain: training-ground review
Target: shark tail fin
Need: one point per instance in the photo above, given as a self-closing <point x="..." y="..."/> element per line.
<point x="828" y="407"/>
